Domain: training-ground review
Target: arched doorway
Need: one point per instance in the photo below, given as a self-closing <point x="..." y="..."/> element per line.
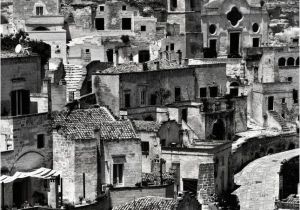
<point x="290" y="61"/>
<point x="281" y="62"/>
<point x="218" y="132"/>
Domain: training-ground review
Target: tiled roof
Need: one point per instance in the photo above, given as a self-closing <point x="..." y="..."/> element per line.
<point x="149" y="203"/>
<point x="133" y="67"/>
<point x="82" y="123"/>
<point x="116" y="130"/>
<point x="74" y="75"/>
<point x="149" y="126"/>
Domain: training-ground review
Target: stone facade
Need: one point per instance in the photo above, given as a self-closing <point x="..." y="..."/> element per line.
<point x="229" y="27"/>
<point x="18" y="73"/>
<point x="32" y="143"/>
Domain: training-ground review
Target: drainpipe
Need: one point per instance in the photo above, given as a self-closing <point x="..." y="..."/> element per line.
<point x="83" y="182"/>
<point x="2" y="184"/>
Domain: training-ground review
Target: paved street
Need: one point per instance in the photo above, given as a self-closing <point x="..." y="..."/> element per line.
<point x="259" y="181"/>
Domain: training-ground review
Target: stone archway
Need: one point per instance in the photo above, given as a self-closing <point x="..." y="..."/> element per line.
<point x="218" y="131"/>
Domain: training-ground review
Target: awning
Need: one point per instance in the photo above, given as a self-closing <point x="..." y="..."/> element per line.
<point x="42" y="173"/>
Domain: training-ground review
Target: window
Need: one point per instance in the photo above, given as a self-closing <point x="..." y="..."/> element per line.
<point x="283" y="100"/>
<point x="39" y="10"/>
<point x="143" y="28"/>
<point x="255" y="42"/>
<point x="40" y="141"/>
<point x="163" y="142"/>
<point x="295" y="96"/>
<point x="167" y="48"/>
<point x="290" y="79"/>
<point x="153" y="99"/>
<point x="124" y="7"/>
<point x="290" y="61"/>
<point x="213" y="91"/>
<point x="127" y="100"/>
<point x="255" y="27"/>
<point x="283" y="115"/>
<point x="212" y="29"/>
<point x="203" y="92"/>
<point x="99" y="23"/>
<point x="110" y="55"/>
<point x="184" y="115"/>
<point x="143" y="97"/>
<point x="87" y="50"/>
<point x="118" y="174"/>
<point x="145" y="148"/>
<point x="71" y="96"/>
<point x="281" y="62"/>
<point x="192" y="4"/>
<point x="177" y="94"/>
<point x="20" y="102"/>
<point x="126" y="23"/>
<point x="174" y="3"/>
<point x="144" y="56"/>
<point x="101" y="8"/>
<point x="172" y="46"/>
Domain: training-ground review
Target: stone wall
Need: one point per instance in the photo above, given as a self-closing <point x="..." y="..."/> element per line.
<point x="28" y="68"/>
<point x="121" y="196"/>
<point x="130" y="152"/>
<point x="25" y="9"/>
<point x="260" y="146"/>
<point x="206" y="185"/>
<point x="25" y="155"/>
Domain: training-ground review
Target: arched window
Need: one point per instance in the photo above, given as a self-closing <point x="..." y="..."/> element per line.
<point x="218" y="132"/>
<point x="255" y="27"/>
<point x="290" y="61"/>
<point x="281" y="62"/>
<point x="297" y="61"/>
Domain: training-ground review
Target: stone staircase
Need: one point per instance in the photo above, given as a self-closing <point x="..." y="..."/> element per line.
<point x="280" y="120"/>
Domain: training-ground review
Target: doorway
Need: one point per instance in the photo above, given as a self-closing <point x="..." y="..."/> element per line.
<point x="270" y="102"/>
<point x="20" y="191"/>
<point x="213" y="47"/>
<point x="100" y="23"/>
<point x="190" y="185"/>
<point x="234" y="44"/>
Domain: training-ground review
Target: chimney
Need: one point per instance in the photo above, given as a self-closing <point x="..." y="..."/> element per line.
<point x="157" y="65"/>
<point x="179" y="56"/>
<point x="185" y="61"/>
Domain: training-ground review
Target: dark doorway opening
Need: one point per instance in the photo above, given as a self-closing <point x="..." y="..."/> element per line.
<point x="126" y="23"/>
<point x="190" y="185"/>
<point x="295" y="96"/>
<point x="127" y="100"/>
<point x="153" y="98"/>
<point x="218" y="132"/>
<point x="270" y="102"/>
<point x="234" y="44"/>
<point x="213" y="47"/>
<point x="20" y="191"/>
<point x="99" y="23"/>
<point x="255" y="42"/>
<point x="184" y="115"/>
<point x="110" y="55"/>
<point x="213" y="91"/>
<point x="270" y="151"/>
<point x="177" y="94"/>
<point x="20" y="102"/>
<point x="144" y="56"/>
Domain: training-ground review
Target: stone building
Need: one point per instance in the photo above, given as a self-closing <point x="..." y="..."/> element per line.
<point x="274" y="75"/>
<point x="89" y="159"/>
<point x="183" y="32"/>
<point x="229" y="26"/>
<point x="26" y="144"/>
<point x="20" y="76"/>
<point x="150" y="143"/>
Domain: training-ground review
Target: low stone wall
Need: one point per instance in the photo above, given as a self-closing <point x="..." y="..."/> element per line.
<point x="121" y="196"/>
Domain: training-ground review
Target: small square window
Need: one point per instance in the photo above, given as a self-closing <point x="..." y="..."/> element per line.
<point x="124" y="8"/>
<point x="39" y="10"/>
<point x="213" y="91"/>
<point x="87" y="50"/>
<point x="172" y="46"/>
<point x="101" y="8"/>
<point x="290" y="79"/>
<point x="143" y="28"/>
<point x="40" y="141"/>
<point x="167" y="48"/>
<point x="283" y="100"/>
<point x="203" y="92"/>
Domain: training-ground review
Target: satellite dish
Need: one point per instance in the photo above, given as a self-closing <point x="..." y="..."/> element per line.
<point x="18" y="49"/>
